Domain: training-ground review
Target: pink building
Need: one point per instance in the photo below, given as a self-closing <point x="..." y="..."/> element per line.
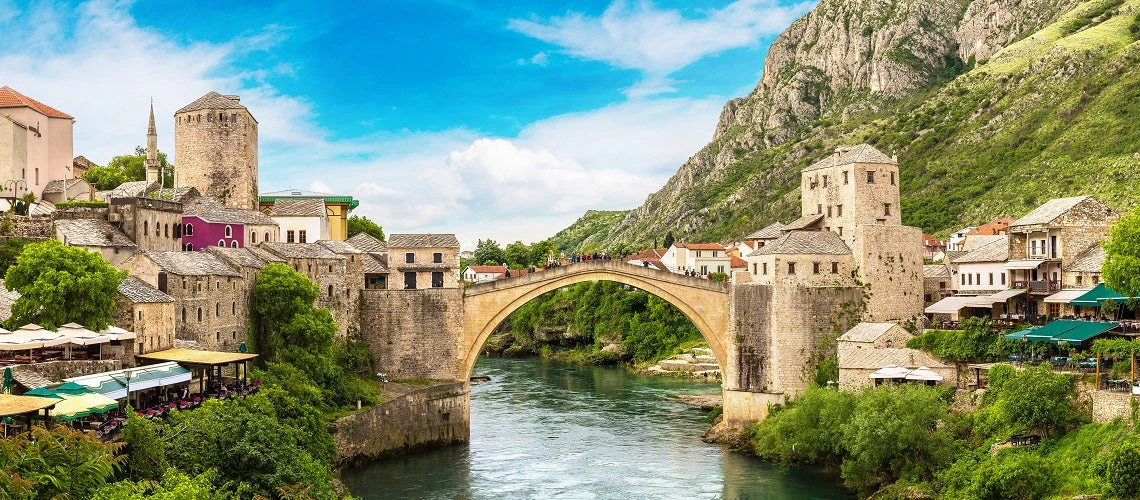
<point x="35" y="143"/>
<point x="207" y="223"/>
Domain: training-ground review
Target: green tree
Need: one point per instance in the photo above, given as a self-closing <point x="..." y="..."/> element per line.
<point x="1120" y="468"/>
<point x="104" y="178"/>
<point x="1122" y="257"/>
<point x="282" y="305"/>
<point x="56" y="463"/>
<point x="669" y="239"/>
<point x="489" y="253"/>
<point x="146" y="451"/>
<point x="127" y="168"/>
<point x="1033" y="399"/>
<point x="360" y="224"/>
<point x="59" y="284"/>
<point x="542" y="252"/>
<point x="9" y="250"/>
<point x="517" y="255"/>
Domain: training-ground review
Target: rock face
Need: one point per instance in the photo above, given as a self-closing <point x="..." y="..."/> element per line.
<point x="842" y="58"/>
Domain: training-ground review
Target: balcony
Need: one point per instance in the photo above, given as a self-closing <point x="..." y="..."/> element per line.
<point x="1038" y="286"/>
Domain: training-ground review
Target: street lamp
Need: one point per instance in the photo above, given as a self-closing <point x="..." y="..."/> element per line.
<point x="127" y="374"/>
<point x="14" y="184"/>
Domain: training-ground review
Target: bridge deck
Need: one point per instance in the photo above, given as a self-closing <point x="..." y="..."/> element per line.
<point x="596" y="266"/>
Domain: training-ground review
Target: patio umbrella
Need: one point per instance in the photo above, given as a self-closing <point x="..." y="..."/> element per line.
<point x="8" y="380"/>
<point x="76" y="406"/>
<point x="71" y="388"/>
<point x="43" y="392"/>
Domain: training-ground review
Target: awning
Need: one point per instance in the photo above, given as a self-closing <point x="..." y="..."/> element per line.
<point x="988" y="301"/>
<point x="1023" y="264"/>
<point x="21" y="405"/>
<point x="1083" y="332"/>
<point x="1020" y="335"/>
<point x="116" y="333"/>
<point x="890" y="372"/>
<point x="1064" y="330"/>
<point x="1097" y="295"/>
<point x="114" y="384"/>
<point x="197" y="357"/>
<point x="923" y="373"/>
<point x="949" y="305"/>
<point x="82" y="405"/>
<point x="1064" y="296"/>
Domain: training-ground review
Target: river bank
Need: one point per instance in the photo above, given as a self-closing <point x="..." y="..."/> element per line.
<point x="542" y="428"/>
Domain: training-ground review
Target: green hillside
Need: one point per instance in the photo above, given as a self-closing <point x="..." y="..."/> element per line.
<point x="1056" y="113"/>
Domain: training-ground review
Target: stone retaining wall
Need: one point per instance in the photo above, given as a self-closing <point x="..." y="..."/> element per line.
<point x="56" y="371"/>
<point x="431" y="417"/>
<point x="1108" y="406"/>
<point x="32" y="228"/>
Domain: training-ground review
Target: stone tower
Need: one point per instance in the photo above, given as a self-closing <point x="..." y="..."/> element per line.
<point x="152" y="164"/>
<point x="215" y="146"/>
<point x="855" y="186"/>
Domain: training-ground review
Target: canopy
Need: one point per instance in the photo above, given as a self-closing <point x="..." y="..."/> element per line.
<point x="1020" y="335"/>
<point x="1064" y="330"/>
<point x="116" y="333"/>
<point x="1064" y="296"/>
<point x="22" y="405"/>
<point x="75" y="406"/>
<point x="75" y="330"/>
<point x="1023" y="264"/>
<point x="114" y="384"/>
<point x="1084" y="331"/>
<point x="923" y="373"/>
<point x="18" y="342"/>
<point x="43" y="392"/>
<point x="988" y="301"/>
<point x="890" y="372"/>
<point x="1097" y="295"/>
<point x="950" y="305"/>
<point x="198" y="357"/>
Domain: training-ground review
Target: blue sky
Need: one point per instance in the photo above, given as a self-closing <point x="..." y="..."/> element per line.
<point x="503" y="119"/>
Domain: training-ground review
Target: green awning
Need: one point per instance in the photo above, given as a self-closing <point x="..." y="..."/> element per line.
<point x="1084" y="331"/>
<point x="1094" y="297"/>
<point x="1021" y="334"/>
<point x="1063" y="330"/>
<point x="1050" y="331"/>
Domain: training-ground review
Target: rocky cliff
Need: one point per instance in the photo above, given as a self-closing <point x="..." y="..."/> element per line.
<point x="931" y="80"/>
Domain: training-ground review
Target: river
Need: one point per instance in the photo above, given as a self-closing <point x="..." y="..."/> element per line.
<point x="545" y="429"/>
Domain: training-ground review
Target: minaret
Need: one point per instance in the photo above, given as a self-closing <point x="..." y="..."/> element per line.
<point x="152" y="163"/>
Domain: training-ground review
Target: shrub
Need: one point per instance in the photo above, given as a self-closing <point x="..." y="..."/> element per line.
<point x="1014" y="474"/>
<point x="1120" y="468"/>
<point x="80" y="204"/>
<point x="1033" y="399"/>
<point x="807" y="430"/>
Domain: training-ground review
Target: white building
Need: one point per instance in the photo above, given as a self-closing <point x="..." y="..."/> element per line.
<point x="955" y="241"/>
<point x="482" y="274"/>
<point x="982" y="269"/>
<point x="302" y="220"/>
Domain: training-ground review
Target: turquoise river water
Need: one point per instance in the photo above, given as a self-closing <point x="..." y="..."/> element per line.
<point x="545" y="429"/>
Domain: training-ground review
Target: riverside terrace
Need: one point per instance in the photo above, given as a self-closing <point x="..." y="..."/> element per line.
<point x="32" y="343"/>
<point x="96" y="402"/>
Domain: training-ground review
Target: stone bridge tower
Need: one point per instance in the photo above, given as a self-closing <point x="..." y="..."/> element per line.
<point x="215" y="147"/>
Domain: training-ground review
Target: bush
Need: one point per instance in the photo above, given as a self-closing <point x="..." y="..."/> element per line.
<point x="80" y="204"/>
<point x="1014" y="474"/>
<point x="1120" y="468"/>
<point x="1033" y="399"/>
<point x="974" y="342"/>
<point x="807" y="430"/>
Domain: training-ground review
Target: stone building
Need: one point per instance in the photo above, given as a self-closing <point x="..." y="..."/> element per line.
<point x="376" y="271"/>
<point x="1084" y="271"/>
<point x="146" y="311"/>
<point x="96" y="235"/>
<point x="61" y="190"/>
<point x="424" y="260"/>
<point x="808" y="258"/>
<point x="856" y="366"/>
<point x="207" y="223"/>
<point x="936" y="283"/>
<point x="856" y="185"/>
<point x="764" y="236"/>
<point x="1048" y="240"/>
<point x="35" y="144"/>
<point x="210" y="297"/>
<point x="215" y="145"/>
<point x="301" y="220"/>
<point x="336" y="207"/>
<point x="329" y="270"/>
<point x="152" y="224"/>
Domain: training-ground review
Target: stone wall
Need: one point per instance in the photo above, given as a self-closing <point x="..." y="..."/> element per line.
<point x="56" y="371"/>
<point x="890" y="261"/>
<point x="32" y="228"/>
<point x="217" y="155"/>
<point x="152" y="322"/>
<point x="749" y="363"/>
<point x="743" y="407"/>
<point x="426" y="418"/>
<point x="151" y="224"/>
<point x="1108" y="406"/>
<point x="413" y="333"/>
<point x="802" y="318"/>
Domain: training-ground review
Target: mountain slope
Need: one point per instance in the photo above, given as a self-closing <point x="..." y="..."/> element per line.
<point x="991" y="106"/>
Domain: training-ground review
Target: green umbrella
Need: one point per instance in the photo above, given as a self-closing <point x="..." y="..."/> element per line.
<point x="43" y="392"/>
<point x="8" y="380"/>
<point x="71" y="388"/>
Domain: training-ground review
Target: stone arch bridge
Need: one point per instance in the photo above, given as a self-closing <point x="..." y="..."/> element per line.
<point x="485" y="305"/>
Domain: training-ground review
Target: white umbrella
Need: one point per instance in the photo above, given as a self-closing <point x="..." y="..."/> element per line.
<point x="890" y="372"/>
<point x="925" y="374"/>
<point x="116" y="333"/>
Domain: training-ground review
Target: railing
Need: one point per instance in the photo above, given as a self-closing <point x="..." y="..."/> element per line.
<point x="1038" y="286"/>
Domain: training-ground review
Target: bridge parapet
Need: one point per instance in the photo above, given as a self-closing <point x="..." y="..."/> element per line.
<point x="593" y="267"/>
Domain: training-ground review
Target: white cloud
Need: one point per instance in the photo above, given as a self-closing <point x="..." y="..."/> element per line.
<point x="540" y="59"/>
<point x="659" y="42"/>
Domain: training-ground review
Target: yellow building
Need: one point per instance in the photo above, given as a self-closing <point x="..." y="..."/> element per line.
<point x="337" y="207"/>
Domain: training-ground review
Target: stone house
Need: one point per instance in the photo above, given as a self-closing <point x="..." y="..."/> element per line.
<point x="96" y="235"/>
<point x="867" y="335"/>
<point x="363" y="271"/>
<point x="424" y="260"/>
<point x="855" y="185"/>
<point x="61" y="190"/>
<point x="215" y="142"/>
<point x="649" y="258"/>
<point x="932" y="247"/>
<point x="676" y="258"/>
<point x="301" y="220"/>
<point x="1048" y="240"/>
<point x="936" y="283"/>
<point x="152" y="224"/>
<point x="131" y="189"/>
<point x="375" y="271"/>
<point x="336" y="208"/>
<point x="764" y="236"/>
<point x="149" y="313"/>
<point x="206" y="223"/>
<point x="35" y="143"/>
<point x="210" y="297"/>
<point x="981" y="270"/>
<point x="808" y="258"/>
<point x="857" y="365"/>
<point x="329" y="270"/>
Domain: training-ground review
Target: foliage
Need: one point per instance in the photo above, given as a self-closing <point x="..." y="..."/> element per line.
<point x="146" y="451"/>
<point x="127" y="168"/>
<point x="55" y="463"/>
<point x="669" y="239"/>
<point x="174" y="485"/>
<point x="80" y="204"/>
<point x="517" y="255"/>
<point x="1032" y="399"/>
<point x="1122" y="256"/>
<point x="59" y="284"/>
<point x="588" y="229"/>
<point x="10" y="249"/>
<point x="489" y="253"/>
<point x="1120" y="468"/>
<point x="1094" y="12"/>
<point x="1116" y="347"/>
<point x="542" y="252"/>
<point x="360" y="224"/>
<point x="807" y="430"/>
<point x="1012" y="474"/>
<point x="1134" y="28"/>
<point x="973" y="343"/>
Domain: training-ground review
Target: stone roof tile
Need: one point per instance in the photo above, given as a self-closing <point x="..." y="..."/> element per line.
<point x="995" y="250"/>
<point x="91" y="233"/>
<point x="866" y="332"/>
<point x="210" y="210"/>
<point x="873" y="359"/>
<point x="935" y="271"/>
<point x="298" y="207"/>
<point x="423" y="241"/>
<point x="191" y="263"/>
<point x="769" y="232"/>
<point x="805" y="242"/>
<point x="845" y="155"/>
<point x="140" y="292"/>
<point x="301" y="250"/>
<point x="1049" y="211"/>
<point x="368" y="243"/>
<point x="212" y="100"/>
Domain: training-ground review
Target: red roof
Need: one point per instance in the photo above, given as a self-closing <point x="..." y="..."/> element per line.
<point x="1000" y="226"/>
<point x="931" y="241"/>
<point x="735" y="262"/>
<point x="655" y="263"/>
<point x="487" y="269"/>
<point x="652" y="253"/>
<point x="9" y="98"/>
<point x="705" y="246"/>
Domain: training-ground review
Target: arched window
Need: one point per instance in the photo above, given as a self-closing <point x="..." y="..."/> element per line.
<point x="189" y="247"/>
<point x="221" y="243"/>
<point x="166" y="230"/>
<point x="157" y="228"/>
<point x="199" y="314"/>
<point x="189" y="229"/>
<point x="146" y="229"/>
<point x="233" y="244"/>
<point x="229" y="232"/>
<point x="252" y="237"/>
<point x="266" y="236"/>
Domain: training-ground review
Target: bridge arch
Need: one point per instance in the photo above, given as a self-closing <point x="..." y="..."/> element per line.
<point x="485" y="305"/>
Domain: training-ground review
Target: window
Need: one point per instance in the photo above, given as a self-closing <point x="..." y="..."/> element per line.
<point x="825" y="181"/>
<point x="189" y="230"/>
<point x="253" y="237"/>
<point x="183" y="314"/>
<point x="845" y="177"/>
<point x="233" y="244"/>
<point x="698" y="253"/>
<point x="217" y="309"/>
<point x="840" y="230"/>
<point x="1003" y="278"/>
<point x="892" y="178"/>
<point x="210" y="118"/>
<point x="146" y="229"/>
<point x="140" y="314"/>
<point x="166" y="230"/>
<point x="1033" y="247"/>
<point x="199" y="314"/>
<point x="229" y="232"/>
<point x="704" y="270"/>
<point x="330" y="290"/>
<point x="233" y="117"/>
<point x="791" y="268"/>
<point x="754" y="270"/>
<point x="409" y="281"/>
<point x="199" y="286"/>
<point x="764" y="266"/>
<point x="942" y="284"/>
<point x="330" y="268"/>
<point x="720" y="269"/>
<point x="410" y="258"/>
<point x="815" y="267"/>
<point x="926" y="298"/>
<point x="991" y="278"/>
<point x="233" y="308"/>
<point x="37" y="176"/>
<point x="819" y="208"/>
<point x="886" y="209"/>
<point x="834" y="268"/>
<point x="870" y="177"/>
<point x="302" y="237"/>
<point x="1096" y="279"/>
<point x="829" y="210"/>
<point x="1079" y="279"/>
<point x="839" y="210"/>
<point x="289" y="236"/>
<point x="177" y="230"/>
<point x="222" y="243"/>
<point x="266" y="236"/>
<point x="978" y="278"/>
<point x="189" y="247"/>
<point x="437" y="280"/>
<point x="1053" y="246"/>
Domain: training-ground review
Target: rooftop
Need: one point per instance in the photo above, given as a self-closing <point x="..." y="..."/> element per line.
<point x="340" y="247"/>
<point x="866" y="332"/>
<point x="140" y="292"/>
<point x="301" y="250"/>
<point x="846" y="155"/>
<point x="935" y="271"/>
<point x="873" y="359"/>
<point x="195" y="357"/>
<point x="132" y="189"/>
<point x="802" y="222"/>
<point x="1049" y="211"/>
<point x="806" y="242"/>
<point x="91" y="233"/>
<point x="1089" y="261"/>
<point x="996" y="249"/>
<point x="368" y="243"/>
<point x="191" y="263"/>
<point x="487" y="269"/>
<point x="373" y="265"/>
<point x="302" y="193"/>
<point x="211" y="210"/>
<point x="10" y="98"/>
<point x="298" y="207"/>
<point x="244" y="257"/>
<point x="423" y="241"/>
<point x="213" y="100"/>
<point x="769" y="232"/>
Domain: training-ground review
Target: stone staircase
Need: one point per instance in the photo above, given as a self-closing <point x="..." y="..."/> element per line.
<point x="697" y="363"/>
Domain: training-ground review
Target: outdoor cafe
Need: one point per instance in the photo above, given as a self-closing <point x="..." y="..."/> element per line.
<point x="33" y="343"/>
